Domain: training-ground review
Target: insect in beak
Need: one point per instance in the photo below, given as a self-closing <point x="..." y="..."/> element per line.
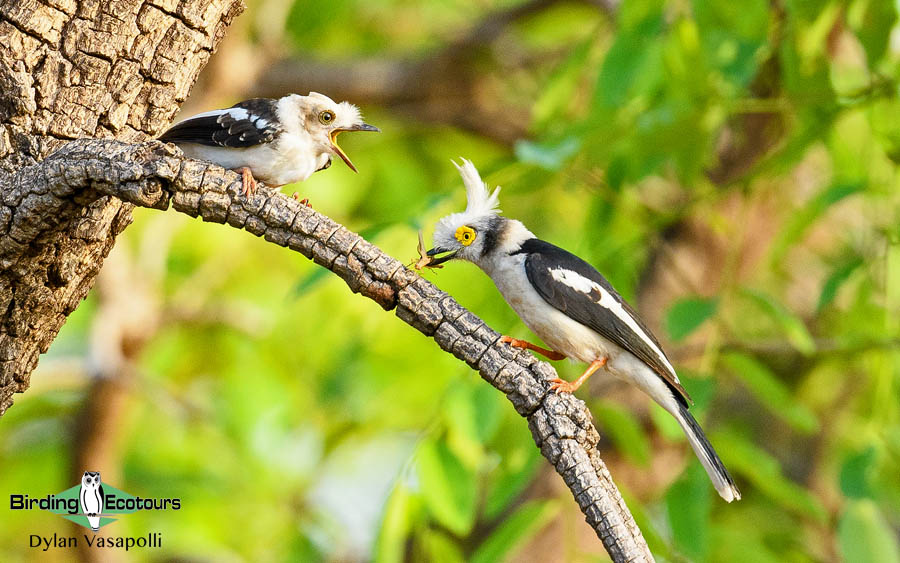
<point x="424" y="261"/>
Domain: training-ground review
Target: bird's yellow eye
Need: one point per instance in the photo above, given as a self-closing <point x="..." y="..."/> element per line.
<point x="326" y="117"/>
<point x="465" y="235"/>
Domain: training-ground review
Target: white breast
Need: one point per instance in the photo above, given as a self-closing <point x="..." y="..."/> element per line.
<point x="568" y="336"/>
<point x="290" y="158"/>
<point x="553" y="327"/>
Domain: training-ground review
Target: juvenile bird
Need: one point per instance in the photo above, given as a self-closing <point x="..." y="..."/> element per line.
<point x="275" y="141"/>
<point x="571" y="307"/>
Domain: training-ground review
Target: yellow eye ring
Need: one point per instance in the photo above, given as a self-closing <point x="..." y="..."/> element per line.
<point x="465" y="235"/>
<point x="326" y="117"/>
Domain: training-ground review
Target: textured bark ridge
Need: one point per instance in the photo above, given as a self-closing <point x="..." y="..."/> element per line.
<point x="155" y="175"/>
<point x="70" y="69"/>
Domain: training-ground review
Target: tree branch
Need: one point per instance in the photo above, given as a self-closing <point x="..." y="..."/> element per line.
<point x="155" y="175"/>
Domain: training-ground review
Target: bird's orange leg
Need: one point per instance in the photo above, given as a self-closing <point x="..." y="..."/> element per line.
<point x="303" y="201"/>
<point x="248" y="182"/>
<point x="560" y="385"/>
<point x="525" y="345"/>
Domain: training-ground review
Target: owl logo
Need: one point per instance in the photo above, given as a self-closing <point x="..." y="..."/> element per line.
<point x="91" y="496"/>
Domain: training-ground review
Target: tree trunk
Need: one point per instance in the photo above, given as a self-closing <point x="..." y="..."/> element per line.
<point x="70" y="69"/>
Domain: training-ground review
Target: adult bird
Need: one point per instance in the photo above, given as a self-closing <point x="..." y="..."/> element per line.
<point x="275" y="141"/>
<point x="571" y="307"/>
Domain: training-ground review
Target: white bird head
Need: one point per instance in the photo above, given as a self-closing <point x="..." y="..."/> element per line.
<point x="474" y="232"/>
<point x="324" y="119"/>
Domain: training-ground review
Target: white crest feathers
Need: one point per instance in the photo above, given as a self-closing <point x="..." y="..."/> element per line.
<point x="479" y="200"/>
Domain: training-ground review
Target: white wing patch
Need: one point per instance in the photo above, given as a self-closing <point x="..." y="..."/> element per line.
<point x="584" y="285"/>
<point x="239" y="114"/>
<point x="235" y="113"/>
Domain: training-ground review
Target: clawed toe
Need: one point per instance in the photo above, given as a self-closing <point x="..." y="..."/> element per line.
<point x="304" y="201"/>
<point x="561" y="386"/>
<point x="248" y="182"/>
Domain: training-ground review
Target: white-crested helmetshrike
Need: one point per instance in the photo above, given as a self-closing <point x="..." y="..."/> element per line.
<point x="274" y="141"/>
<point x="571" y="307"/>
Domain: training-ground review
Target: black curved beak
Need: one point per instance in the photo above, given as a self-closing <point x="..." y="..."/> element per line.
<point x="435" y="260"/>
<point x="363" y="127"/>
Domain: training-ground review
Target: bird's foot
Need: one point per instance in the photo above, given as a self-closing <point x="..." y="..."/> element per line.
<point x="525" y="345"/>
<point x="248" y="182"/>
<point x="304" y="201"/>
<point x="563" y="386"/>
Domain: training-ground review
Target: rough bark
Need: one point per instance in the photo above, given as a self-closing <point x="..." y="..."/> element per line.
<point x="155" y="175"/>
<point x="70" y="69"/>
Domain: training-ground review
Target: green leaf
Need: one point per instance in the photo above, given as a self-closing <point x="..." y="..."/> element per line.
<point x="448" y="487"/>
<point x="649" y="524"/>
<point x="559" y="89"/>
<point x="864" y="535"/>
<point x="399" y="512"/>
<point x="802" y="219"/>
<point x="547" y="156"/>
<point x="764" y="472"/>
<point x="771" y="392"/>
<point x="734" y="544"/>
<point x="855" y="477"/>
<point x="733" y="34"/>
<point x="624" y="430"/>
<point x="794" y="329"/>
<point x="473" y="410"/>
<point x="440" y="548"/>
<point x="305" y="284"/>
<point x="688" y="506"/>
<point x="634" y="62"/>
<point x="686" y="315"/>
<point x="872" y="20"/>
<point x="515" y="531"/>
<point x="834" y="282"/>
<point x="510" y="478"/>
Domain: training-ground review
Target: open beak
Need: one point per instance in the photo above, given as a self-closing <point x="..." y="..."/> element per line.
<point x="338" y="130"/>
<point x="435" y="260"/>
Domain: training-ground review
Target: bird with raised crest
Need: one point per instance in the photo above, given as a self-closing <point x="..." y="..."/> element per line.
<point x="571" y="307"/>
<point x="275" y="141"/>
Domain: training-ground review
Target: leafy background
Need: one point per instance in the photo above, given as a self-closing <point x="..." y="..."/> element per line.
<point x="731" y="168"/>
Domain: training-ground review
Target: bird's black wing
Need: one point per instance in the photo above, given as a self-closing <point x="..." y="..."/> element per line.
<point x="249" y="123"/>
<point x="577" y="289"/>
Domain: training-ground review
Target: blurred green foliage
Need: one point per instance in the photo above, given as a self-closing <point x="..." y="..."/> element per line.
<point x="299" y="422"/>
